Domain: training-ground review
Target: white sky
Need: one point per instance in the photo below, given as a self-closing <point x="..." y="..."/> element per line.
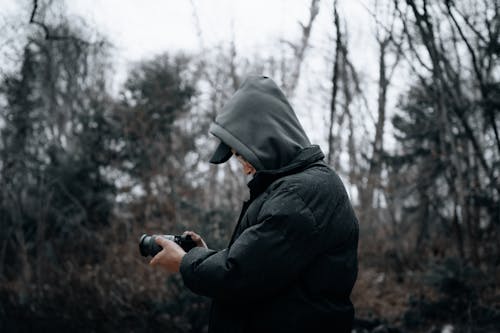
<point x="140" y="29"/>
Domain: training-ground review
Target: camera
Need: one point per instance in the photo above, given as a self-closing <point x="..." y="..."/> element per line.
<point x="148" y="246"/>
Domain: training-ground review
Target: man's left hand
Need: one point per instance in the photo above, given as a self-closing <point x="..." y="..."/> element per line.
<point x="170" y="257"/>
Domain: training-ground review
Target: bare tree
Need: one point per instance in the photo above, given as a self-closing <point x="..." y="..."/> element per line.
<point x="299" y="50"/>
<point x="387" y="45"/>
<point x="334" y="80"/>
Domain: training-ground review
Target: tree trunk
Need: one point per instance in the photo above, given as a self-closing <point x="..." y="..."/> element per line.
<point x="338" y="46"/>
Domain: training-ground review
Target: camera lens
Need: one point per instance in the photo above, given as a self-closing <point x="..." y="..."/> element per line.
<point x="148" y="246"/>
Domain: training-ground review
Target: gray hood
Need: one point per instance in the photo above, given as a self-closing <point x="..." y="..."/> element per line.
<point x="259" y="123"/>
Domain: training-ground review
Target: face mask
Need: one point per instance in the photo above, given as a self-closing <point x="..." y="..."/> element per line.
<point x="249" y="178"/>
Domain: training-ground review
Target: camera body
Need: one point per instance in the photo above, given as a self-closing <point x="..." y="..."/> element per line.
<point x="148" y="246"/>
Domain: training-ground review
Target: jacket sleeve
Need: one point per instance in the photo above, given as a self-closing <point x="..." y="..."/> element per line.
<point x="263" y="260"/>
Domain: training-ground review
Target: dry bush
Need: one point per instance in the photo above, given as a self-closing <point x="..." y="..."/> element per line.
<point x="118" y="291"/>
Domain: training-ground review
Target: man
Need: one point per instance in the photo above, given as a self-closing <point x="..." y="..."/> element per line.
<point x="292" y="260"/>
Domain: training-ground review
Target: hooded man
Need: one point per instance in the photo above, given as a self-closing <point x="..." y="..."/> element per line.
<point x="291" y="262"/>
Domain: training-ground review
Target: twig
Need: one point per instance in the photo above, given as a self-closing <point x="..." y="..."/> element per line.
<point x="46" y="30"/>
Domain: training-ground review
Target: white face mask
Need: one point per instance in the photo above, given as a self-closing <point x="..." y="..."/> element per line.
<point x="249" y="178"/>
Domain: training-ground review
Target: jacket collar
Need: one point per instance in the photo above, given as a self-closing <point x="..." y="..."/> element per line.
<point x="262" y="179"/>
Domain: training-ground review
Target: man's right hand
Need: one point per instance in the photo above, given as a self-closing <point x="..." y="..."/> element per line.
<point x="196" y="238"/>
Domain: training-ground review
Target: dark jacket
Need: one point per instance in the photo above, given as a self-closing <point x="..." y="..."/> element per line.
<point x="292" y="260"/>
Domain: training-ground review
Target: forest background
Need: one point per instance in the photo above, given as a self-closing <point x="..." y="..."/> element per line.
<point x="93" y="153"/>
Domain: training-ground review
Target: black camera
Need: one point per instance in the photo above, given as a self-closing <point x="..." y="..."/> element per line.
<point x="148" y="246"/>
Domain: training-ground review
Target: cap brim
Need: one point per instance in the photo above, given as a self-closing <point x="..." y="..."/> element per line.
<point x="221" y="154"/>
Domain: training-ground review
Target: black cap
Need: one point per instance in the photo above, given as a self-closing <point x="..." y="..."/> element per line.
<point x="222" y="154"/>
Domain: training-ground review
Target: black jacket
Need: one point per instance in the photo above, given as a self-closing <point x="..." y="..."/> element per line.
<point x="292" y="260"/>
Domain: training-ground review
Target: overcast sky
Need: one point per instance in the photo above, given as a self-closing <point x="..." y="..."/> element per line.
<point x="151" y="26"/>
<point x="140" y="29"/>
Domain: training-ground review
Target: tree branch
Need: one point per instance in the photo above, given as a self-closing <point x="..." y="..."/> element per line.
<point x="46" y="30"/>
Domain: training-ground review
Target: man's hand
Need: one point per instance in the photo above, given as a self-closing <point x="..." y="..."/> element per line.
<point x="196" y="238"/>
<point x="170" y="257"/>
